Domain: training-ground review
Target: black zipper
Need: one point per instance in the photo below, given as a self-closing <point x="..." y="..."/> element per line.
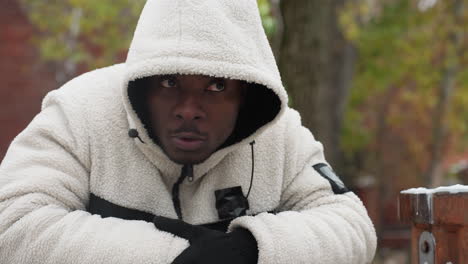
<point x="187" y="171"/>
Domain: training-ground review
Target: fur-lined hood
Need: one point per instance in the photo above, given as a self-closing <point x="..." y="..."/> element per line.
<point x="209" y="37"/>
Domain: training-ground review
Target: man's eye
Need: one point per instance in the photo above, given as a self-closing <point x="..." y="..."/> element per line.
<point x="216" y="87"/>
<point x="168" y="83"/>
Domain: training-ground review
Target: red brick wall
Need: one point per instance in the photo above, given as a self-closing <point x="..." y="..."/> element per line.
<point x="23" y="79"/>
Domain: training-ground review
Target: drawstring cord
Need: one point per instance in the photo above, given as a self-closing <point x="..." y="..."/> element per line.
<point x="133" y="133"/>
<point x="253" y="166"/>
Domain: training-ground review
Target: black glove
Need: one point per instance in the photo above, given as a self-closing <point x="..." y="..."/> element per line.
<point x="210" y="246"/>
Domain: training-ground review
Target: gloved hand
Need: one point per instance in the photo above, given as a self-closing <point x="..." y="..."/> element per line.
<point x="210" y="246"/>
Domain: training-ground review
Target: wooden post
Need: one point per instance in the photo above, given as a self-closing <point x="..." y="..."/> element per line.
<point x="439" y="224"/>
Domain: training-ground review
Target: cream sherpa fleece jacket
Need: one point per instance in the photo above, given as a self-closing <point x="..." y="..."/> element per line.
<point x="78" y="146"/>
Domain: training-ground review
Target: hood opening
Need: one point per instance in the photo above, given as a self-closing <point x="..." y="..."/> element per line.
<point x="215" y="38"/>
<point x="260" y="107"/>
<point x="137" y="91"/>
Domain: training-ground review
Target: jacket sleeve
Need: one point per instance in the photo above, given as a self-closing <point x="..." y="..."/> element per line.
<point x="314" y="224"/>
<point x="44" y="189"/>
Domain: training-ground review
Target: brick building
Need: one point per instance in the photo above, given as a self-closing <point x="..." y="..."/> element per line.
<point x="23" y="79"/>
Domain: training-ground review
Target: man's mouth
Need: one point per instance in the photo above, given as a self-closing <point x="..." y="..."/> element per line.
<point x="187" y="141"/>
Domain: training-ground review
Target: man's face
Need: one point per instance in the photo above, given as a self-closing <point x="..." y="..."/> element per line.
<point x="192" y="115"/>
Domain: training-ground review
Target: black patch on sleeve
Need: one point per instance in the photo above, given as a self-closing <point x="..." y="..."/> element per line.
<point x="336" y="183"/>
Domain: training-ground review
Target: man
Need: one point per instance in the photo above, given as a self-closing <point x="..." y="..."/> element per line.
<point x="187" y="153"/>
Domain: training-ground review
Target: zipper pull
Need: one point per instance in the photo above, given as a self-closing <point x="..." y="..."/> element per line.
<point x="189" y="171"/>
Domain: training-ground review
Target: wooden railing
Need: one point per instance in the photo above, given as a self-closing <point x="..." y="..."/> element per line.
<point x="439" y="224"/>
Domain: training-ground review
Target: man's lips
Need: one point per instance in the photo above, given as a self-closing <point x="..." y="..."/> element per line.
<point x="187" y="141"/>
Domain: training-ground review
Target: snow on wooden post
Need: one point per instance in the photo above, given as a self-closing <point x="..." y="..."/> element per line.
<point x="439" y="223"/>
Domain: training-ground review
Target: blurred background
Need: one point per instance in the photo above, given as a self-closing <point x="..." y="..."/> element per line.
<point x="383" y="84"/>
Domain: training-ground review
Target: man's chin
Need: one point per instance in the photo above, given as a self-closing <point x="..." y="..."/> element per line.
<point x="187" y="158"/>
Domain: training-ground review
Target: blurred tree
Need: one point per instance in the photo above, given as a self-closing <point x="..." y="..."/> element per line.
<point x="85" y="33"/>
<point x="450" y="67"/>
<point x="272" y="22"/>
<point x="408" y="102"/>
<point x="316" y="63"/>
<point x="268" y="20"/>
<point x="407" y="109"/>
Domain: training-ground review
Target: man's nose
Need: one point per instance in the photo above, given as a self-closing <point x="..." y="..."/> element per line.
<point x="189" y="108"/>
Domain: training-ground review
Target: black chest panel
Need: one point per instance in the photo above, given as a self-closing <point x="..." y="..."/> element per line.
<point x="104" y="208"/>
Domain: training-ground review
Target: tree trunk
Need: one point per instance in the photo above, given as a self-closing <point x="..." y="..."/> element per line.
<point x="316" y="63"/>
<point x="434" y="173"/>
